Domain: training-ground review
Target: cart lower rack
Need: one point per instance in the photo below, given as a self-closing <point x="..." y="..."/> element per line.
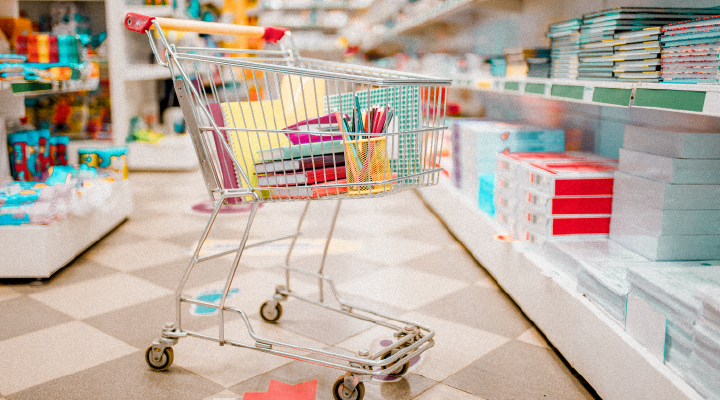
<point x="272" y="126"/>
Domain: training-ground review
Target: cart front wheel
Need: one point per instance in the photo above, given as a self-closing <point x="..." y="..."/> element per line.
<point x="269" y="313"/>
<point x="165" y="360"/>
<point x="339" y="391"/>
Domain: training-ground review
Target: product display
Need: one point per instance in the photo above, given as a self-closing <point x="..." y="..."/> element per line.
<point x="565" y="39"/>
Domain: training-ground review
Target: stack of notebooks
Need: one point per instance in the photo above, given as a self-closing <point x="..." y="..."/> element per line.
<point x="541" y="196"/>
<point x="667" y="194"/>
<point x="521" y="60"/>
<point x="623" y="43"/>
<point x="480" y="140"/>
<point x="498" y="66"/>
<point x="690" y="51"/>
<point x="670" y="288"/>
<point x="564" y="47"/>
<point x="704" y="372"/>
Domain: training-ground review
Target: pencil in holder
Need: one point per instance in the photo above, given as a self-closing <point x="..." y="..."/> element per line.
<point x="366" y="161"/>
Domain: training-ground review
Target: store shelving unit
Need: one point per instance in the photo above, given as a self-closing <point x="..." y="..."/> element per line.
<point x="133" y="73"/>
<point x="615" y="364"/>
<point x="38" y="251"/>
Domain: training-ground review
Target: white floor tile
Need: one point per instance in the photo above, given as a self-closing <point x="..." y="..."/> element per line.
<point x="164" y="226"/>
<point x="230" y="365"/>
<point x="456" y="345"/>
<point x="402" y="287"/>
<point x="98" y="296"/>
<point x="6" y="293"/>
<point x="444" y="392"/>
<point x="50" y="353"/>
<point x="138" y="255"/>
<point x="531" y="336"/>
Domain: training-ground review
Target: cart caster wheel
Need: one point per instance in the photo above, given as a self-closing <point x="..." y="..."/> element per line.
<point x="339" y="392"/>
<point x="399" y="372"/>
<point x="269" y="313"/>
<point x="165" y="361"/>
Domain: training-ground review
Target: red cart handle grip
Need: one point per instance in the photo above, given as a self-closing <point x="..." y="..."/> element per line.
<point x="141" y="23"/>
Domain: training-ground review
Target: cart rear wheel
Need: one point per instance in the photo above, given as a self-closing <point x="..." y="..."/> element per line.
<point x="269" y="313"/>
<point x="339" y="390"/>
<point x="398" y="372"/>
<point x="165" y="360"/>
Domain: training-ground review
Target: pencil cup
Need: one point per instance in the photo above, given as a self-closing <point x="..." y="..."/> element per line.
<point x="366" y="161"/>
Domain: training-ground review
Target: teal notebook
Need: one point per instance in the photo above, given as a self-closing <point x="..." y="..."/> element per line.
<point x="301" y="150"/>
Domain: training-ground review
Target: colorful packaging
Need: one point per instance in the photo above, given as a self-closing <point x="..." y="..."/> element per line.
<point x="58" y="149"/>
<point x="19" y="153"/>
<point x="33" y="162"/>
<point x="43" y="150"/>
<point x="89" y="157"/>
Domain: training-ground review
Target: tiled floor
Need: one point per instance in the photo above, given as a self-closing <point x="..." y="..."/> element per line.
<point x="84" y="334"/>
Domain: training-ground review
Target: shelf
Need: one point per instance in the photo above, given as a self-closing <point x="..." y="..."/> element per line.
<point x="696" y="99"/>
<point x="153" y="11"/>
<point x="616" y="365"/>
<point x="318" y="5"/>
<point x="146" y="72"/>
<point x="172" y="153"/>
<point x="38" y="251"/>
<point x="25" y="88"/>
<point x="422" y="21"/>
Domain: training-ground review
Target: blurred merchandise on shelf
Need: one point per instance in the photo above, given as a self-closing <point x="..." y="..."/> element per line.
<point x="704" y="371"/>
<point x="690" y="51"/>
<point x="498" y="66"/>
<point x="50" y="48"/>
<point x="141" y="131"/>
<point x="69" y="190"/>
<point x="304" y="18"/>
<point x="66" y="19"/>
<point x="156" y="2"/>
<point x="565" y="44"/>
<point x="110" y="158"/>
<point x="13" y="28"/>
<point x="80" y="115"/>
<point x="664" y="199"/>
<point x="521" y="60"/>
<point x="32" y="154"/>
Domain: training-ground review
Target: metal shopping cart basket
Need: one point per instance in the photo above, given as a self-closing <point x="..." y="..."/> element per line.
<point x="272" y="126"/>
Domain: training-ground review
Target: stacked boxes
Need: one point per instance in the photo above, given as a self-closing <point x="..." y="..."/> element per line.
<point x="670" y="288"/>
<point x="666" y="203"/>
<point x="480" y="141"/>
<point x="690" y="51"/>
<point x="46" y="48"/>
<point x="704" y="371"/>
<point x="543" y="196"/>
<point x="520" y="59"/>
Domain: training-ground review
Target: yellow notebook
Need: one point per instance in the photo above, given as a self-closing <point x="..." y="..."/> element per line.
<point x="302" y="98"/>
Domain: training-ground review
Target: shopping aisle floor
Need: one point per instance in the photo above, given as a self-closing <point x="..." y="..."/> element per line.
<point x="84" y="334"/>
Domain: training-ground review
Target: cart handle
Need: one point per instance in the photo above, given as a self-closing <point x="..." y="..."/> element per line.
<point x="142" y="23"/>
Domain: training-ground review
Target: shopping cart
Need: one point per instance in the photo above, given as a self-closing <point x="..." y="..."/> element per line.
<point x="271" y="126"/>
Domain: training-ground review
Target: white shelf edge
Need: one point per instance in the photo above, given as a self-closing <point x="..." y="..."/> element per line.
<point x="614" y="364"/>
<point x="711" y="105"/>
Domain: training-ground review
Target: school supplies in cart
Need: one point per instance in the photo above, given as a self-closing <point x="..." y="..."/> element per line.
<point x="279" y="127"/>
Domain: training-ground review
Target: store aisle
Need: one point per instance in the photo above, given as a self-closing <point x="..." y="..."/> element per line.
<point x="84" y="334"/>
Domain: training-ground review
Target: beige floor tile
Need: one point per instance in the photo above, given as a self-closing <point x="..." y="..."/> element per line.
<point x="487" y="283"/>
<point x="7" y="294"/>
<point x="224" y="395"/>
<point x="50" y="353"/>
<point x="137" y="255"/>
<point x="456" y="345"/>
<point x="444" y="392"/>
<point x="402" y="287"/>
<point x="230" y="365"/>
<point x="162" y="227"/>
<point x="98" y="296"/>
<point x="393" y="250"/>
<point x="531" y="336"/>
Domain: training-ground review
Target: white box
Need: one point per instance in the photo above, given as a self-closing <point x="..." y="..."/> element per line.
<point x="664" y="247"/>
<point x="656" y="194"/>
<point x="667" y="222"/>
<point x="672" y="143"/>
<point x="670" y="170"/>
